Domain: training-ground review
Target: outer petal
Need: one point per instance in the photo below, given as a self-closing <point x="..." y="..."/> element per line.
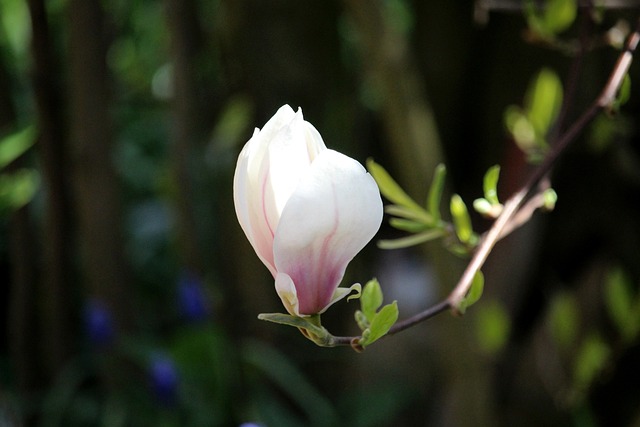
<point x="333" y="213"/>
<point x="269" y="167"/>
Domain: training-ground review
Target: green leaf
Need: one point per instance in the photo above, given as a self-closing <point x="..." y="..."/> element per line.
<point x="492" y="327"/>
<point x="544" y="100"/>
<point x="389" y="187"/>
<point x="623" y="94"/>
<point x="435" y="192"/>
<point x="475" y="292"/>
<point x="563" y="319"/>
<point x="371" y="298"/>
<point x="419" y="215"/>
<point x="15" y="144"/>
<point x="461" y="219"/>
<point x="18" y="188"/>
<point x="413" y="240"/>
<point x="408" y="225"/>
<point x="619" y="301"/>
<point x="490" y="184"/>
<point x="550" y="198"/>
<point x="590" y="361"/>
<point x="560" y="14"/>
<point x="555" y="17"/>
<point x="380" y="324"/>
<point x="297" y="322"/>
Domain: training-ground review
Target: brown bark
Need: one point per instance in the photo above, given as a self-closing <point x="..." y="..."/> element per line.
<point x="186" y="50"/>
<point x="57" y="280"/>
<point x="95" y="182"/>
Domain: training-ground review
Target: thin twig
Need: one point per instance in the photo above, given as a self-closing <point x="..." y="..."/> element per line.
<point x="518" y="201"/>
<point x="512" y="206"/>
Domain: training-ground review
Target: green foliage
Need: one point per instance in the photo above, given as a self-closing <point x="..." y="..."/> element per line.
<point x="552" y="18"/>
<point x="317" y="409"/>
<point x="17" y="188"/>
<point x="623" y="94"/>
<point x="474" y="294"/>
<point x="425" y="223"/>
<point x="14" y="145"/>
<point x="563" y="320"/>
<point x="462" y="221"/>
<point x="622" y="305"/>
<point x="374" y="323"/>
<point x="492" y="327"/>
<point x="590" y="360"/>
<point x="530" y="124"/>
<point x="490" y="205"/>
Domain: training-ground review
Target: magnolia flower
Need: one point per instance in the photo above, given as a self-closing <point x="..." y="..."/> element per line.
<point x="306" y="210"/>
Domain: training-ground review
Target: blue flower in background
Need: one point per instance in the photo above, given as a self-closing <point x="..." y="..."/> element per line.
<point x="98" y="323"/>
<point x="192" y="298"/>
<point x="164" y="379"/>
<point x="249" y="425"/>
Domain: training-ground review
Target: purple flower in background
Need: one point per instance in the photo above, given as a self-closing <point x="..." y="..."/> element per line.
<point x="164" y="379"/>
<point x="192" y="298"/>
<point x="249" y="425"/>
<point x="98" y="323"/>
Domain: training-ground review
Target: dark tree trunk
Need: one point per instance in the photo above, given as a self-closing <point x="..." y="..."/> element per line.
<point x="95" y="182"/>
<point x="188" y="133"/>
<point x="57" y="279"/>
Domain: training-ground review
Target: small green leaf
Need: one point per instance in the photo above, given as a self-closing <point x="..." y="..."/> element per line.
<point x="475" y="292"/>
<point x="563" y="319"/>
<point x="389" y="187"/>
<point x="623" y="94"/>
<point x="361" y="320"/>
<point x="550" y="198"/>
<point x="461" y="219"/>
<point x="408" y="225"/>
<point x="619" y="302"/>
<point x="18" y="188"/>
<point x="435" y="192"/>
<point x="590" y="361"/>
<point x="416" y="214"/>
<point x="492" y="327"/>
<point x="560" y="14"/>
<point x="544" y="99"/>
<point x="371" y="298"/>
<point x="380" y="324"/>
<point x="14" y="145"/>
<point x="297" y="322"/>
<point x="490" y="184"/>
<point x="413" y="240"/>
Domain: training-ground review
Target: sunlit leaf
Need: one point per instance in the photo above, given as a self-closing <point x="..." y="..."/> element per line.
<point x="15" y="144"/>
<point x="435" y="192"/>
<point x="474" y="294"/>
<point x="490" y="184"/>
<point x="18" y="188"/>
<point x="380" y="324"/>
<point x="413" y="240"/>
<point x="371" y="298"/>
<point x="389" y="187"/>
<point x="461" y="219"/>
<point x="408" y="225"/>
<point x="419" y="215"/>
<point x="544" y="99"/>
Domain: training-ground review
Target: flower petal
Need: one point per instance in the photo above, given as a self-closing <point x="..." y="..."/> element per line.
<point x="333" y="213"/>
<point x="269" y="167"/>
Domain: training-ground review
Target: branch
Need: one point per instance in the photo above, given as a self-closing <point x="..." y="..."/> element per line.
<point x="519" y="208"/>
<point x="513" y="205"/>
